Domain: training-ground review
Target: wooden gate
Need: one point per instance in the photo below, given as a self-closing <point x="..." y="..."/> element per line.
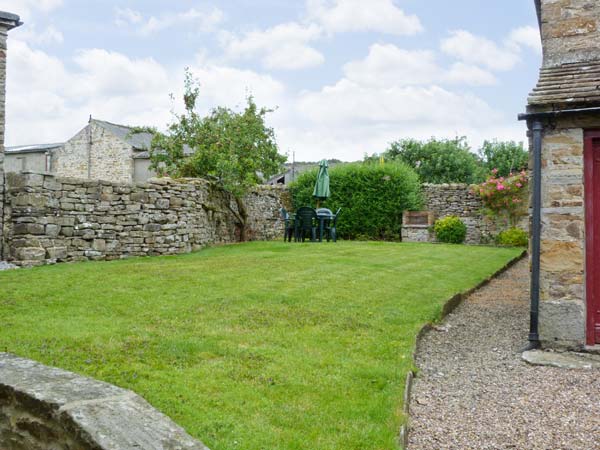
<point x="592" y="216"/>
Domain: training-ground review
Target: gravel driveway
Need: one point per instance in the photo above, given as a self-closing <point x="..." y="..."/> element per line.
<point x="474" y="392"/>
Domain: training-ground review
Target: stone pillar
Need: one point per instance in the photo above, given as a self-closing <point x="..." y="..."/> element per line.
<point x="8" y="21"/>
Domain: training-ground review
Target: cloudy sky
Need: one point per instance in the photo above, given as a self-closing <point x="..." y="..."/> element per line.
<point x="346" y="76"/>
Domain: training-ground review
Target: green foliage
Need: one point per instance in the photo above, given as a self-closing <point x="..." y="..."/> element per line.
<point x="229" y="147"/>
<point x="514" y="237"/>
<point x="505" y="157"/>
<point x="450" y="230"/>
<point x="256" y="346"/>
<point x="437" y="160"/>
<point x="372" y="198"/>
<point x="505" y="198"/>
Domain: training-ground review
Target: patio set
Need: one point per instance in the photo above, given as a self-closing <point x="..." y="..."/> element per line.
<point x="310" y="222"/>
<point x="316" y="223"/>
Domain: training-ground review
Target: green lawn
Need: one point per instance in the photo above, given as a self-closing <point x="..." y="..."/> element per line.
<point x="254" y="346"/>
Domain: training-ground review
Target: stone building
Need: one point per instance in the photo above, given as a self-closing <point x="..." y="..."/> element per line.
<point x="8" y="21"/>
<point x="105" y="151"/>
<point x="29" y="158"/>
<point x="563" y="116"/>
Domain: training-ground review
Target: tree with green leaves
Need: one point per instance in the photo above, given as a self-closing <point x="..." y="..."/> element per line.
<point x="437" y="160"/>
<point x="505" y="157"/>
<point x="233" y="149"/>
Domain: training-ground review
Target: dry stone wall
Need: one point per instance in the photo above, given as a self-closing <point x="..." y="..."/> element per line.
<point x="452" y="200"/>
<point x="52" y="219"/>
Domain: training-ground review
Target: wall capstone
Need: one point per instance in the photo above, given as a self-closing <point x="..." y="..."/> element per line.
<point x="44" y="408"/>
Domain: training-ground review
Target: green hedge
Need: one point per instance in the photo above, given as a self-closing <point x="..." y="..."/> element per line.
<point x="372" y="198"/>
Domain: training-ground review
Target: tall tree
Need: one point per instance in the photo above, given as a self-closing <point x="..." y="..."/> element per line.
<point x="506" y="157"/>
<point x="234" y="149"/>
<point x="437" y="160"/>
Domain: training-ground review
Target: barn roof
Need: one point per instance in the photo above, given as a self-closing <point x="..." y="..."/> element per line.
<point x="37" y="148"/>
<point x="139" y="141"/>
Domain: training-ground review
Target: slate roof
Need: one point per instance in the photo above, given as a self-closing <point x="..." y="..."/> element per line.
<point x="139" y="141"/>
<point x="32" y="148"/>
<point x="568" y="84"/>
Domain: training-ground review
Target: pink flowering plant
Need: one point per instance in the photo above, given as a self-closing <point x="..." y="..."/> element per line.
<point x="505" y="197"/>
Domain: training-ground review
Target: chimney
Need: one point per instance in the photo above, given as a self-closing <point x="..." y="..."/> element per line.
<point x="8" y="21"/>
<point x="570" y="74"/>
<point x="570" y="31"/>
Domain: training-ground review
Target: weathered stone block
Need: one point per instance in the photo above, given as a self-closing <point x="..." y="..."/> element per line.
<point x="58" y="253"/>
<point x="30" y="253"/>
<point x="562" y="323"/>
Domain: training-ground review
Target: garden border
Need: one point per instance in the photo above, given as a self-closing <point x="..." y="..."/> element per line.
<point x="447" y="309"/>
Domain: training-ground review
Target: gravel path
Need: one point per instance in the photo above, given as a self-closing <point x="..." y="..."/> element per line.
<point x="474" y="392"/>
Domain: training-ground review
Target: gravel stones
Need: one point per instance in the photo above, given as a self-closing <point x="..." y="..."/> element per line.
<point x="6" y="266"/>
<point x="474" y="391"/>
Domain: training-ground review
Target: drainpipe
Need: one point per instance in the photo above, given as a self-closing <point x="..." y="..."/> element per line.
<point x="89" y="149"/>
<point x="536" y="232"/>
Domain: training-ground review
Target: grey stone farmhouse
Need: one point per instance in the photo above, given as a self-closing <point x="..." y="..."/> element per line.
<point x="563" y="115"/>
<point x="100" y="151"/>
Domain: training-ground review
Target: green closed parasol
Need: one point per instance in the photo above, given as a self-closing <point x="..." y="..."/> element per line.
<point x="321" y="191"/>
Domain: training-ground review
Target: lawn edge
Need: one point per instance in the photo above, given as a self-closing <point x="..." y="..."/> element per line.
<point x="448" y="308"/>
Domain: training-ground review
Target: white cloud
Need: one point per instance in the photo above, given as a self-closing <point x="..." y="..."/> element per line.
<point x="127" y="16"/>
<point x="473" y="49"/>
<point x="284" y="47"/>
<point x="389" y="65"/>
<point x="462" y="73"/>
<point x="30" y="34"/>
<point x="25" y="8"/>
<point x="528" y="36"/>
<point x="48" y="101"/>
<point x="202" y="20"/>
<point x="356" y="15"/>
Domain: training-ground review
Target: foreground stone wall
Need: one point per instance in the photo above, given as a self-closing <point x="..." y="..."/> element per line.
<point x="51" y="219"/>
<point x="44" y="408"/>
<point x="562" y="294"/>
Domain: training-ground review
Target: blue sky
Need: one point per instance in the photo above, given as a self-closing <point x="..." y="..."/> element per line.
<point x="346" y="76"/>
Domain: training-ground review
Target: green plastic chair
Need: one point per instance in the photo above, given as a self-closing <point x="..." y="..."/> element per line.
<point x="330" y="229"/>
<point x="306" y="221"/>
<point x="289" y="228"/>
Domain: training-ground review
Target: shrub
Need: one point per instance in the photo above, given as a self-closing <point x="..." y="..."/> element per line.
<point x="450" y="230"/>
<point x="514" y="237"/>
<point x="372" y="198"/>
<point x="505" y="197"/>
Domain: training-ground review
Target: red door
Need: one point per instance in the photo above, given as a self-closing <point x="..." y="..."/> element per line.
<point x="592" y="218"/>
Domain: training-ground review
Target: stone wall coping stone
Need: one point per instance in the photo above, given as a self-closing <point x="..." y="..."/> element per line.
<point x="94" y="414"/>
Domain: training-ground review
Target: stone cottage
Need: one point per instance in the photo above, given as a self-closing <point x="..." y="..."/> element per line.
<point x="8" y="21"/>
<point x="563" y="116"/>
<point x="105" y="151"/>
